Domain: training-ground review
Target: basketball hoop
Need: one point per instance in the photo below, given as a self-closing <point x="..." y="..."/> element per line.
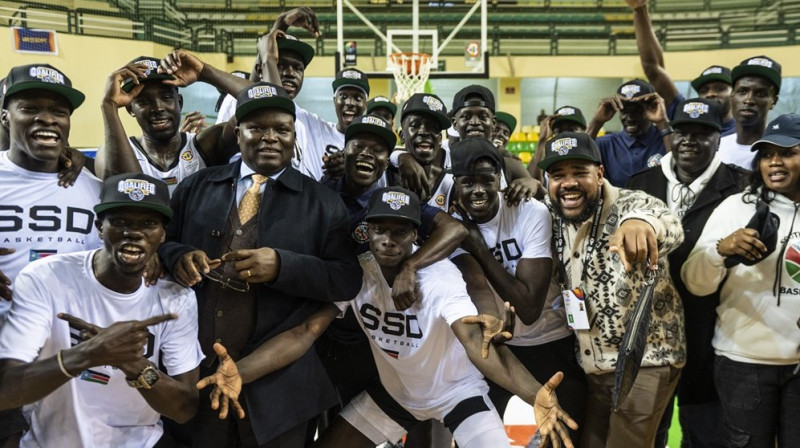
<point x="411" y="71"/>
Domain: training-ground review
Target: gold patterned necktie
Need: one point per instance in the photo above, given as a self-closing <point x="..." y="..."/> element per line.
<point x="251" y="199"/>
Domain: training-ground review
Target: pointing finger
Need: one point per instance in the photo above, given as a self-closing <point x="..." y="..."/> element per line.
<point x="79" y="323"/>
<point x="157" y="320"/>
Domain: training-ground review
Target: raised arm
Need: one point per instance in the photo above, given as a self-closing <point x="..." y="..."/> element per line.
<point x="271" y="356"/>
<point x="116" y="155"/>
<point x="650" y="53"/>
<point x="503" y="368"/>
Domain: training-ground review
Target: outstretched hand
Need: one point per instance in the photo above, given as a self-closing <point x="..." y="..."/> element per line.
<point x="227" y="385"/>
<point x="550" y="417"/>
<point x="495" y="331"/>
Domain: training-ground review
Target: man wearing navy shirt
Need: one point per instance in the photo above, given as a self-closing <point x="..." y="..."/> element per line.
<point x="640" y="144"/>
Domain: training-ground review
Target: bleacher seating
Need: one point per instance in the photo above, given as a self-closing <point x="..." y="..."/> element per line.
<point x="516" y="27"/>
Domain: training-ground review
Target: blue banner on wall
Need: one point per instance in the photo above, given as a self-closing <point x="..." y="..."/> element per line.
<point x="35" y="41"/>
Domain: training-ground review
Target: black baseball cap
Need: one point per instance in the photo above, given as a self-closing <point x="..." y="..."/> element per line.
<point x="465" y="153"/>
<point x="262" y="95"/>
<point x="381" y="101"/>
<point x="150" y="75"/>
<point x="40" y="77"/>
<point x="351" y="77"/>
<point x="700" y="111"/>
<point x="569" y="113"/>
<point x="635" y="88"/>
<point x="506" y="119"/>
<point x="485" y="98"/>
<point x="427" y="104"/>
<point x="713" y="73"/>
<point x="759" y="66"/>
<point x="371" y="124"/>
<point x="292" y="43"/>
<point x="134" y="190"/>
<point x="783" y="131"/>
<point x="394" y="202"/>
<point x="570" y="146"/>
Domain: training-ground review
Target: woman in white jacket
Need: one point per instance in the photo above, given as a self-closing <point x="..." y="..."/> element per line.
<point x="756" y="339"/>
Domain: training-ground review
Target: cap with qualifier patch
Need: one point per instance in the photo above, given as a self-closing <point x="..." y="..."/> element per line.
<point x="262" y="95"/>
<point x="759" y="66"/>
<point x="635" y="88"/>
<point x="698" y="110"/>
<point x="40" y="77"/>
<point x="134" y="190"/>
<point x="379" y="102"/>
<point x="394" y="202"/>
<point x="427" y="104"/>
<point x="570" y="146"/>
<point x="150" y="75"/>
<point x="713" y="73"/>
<point x="370" y="124"/>
<point x="466" y="97"/>
<point x="569" y="113"/>
<point x="292" y="43"/>
<point x="465" y="153"/>
<point x="783" y="131"/>
<point x="351" y="77"/>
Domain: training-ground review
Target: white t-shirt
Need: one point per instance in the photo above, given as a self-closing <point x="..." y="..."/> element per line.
<point x="420" y="362"/>
<point x="38" y="218"/>
<point x="518" y="232"/>
<point x="734" y="153"/>
<point x="98" y="408"/>
<point x="188" y="162"/>
<point x="315" y="138"/>
<point x="227" y="109"/>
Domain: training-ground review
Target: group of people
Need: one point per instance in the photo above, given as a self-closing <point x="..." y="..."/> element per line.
<point x="277" y="280"/>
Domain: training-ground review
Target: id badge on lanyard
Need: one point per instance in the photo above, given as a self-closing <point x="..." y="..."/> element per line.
<point x="575" y="298"/>
<point x="575" y="304"/>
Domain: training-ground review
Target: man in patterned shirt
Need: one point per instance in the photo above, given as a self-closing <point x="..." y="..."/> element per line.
<point x="606" y="238"/>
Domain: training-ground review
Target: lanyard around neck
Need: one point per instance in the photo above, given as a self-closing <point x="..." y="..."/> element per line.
<point x="562" y="271"/>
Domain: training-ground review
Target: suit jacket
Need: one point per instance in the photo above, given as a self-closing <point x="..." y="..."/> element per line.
<point x="696" y="385"/>
<point x="307" y="224"/>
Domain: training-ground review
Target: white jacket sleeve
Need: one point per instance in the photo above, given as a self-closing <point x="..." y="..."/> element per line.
<point x="705" y="270"/>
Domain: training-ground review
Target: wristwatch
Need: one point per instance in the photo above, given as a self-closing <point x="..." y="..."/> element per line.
<point x="146" y="379"/>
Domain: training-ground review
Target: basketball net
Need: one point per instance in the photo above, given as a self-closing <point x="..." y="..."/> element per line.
<point x="411" y="71"/>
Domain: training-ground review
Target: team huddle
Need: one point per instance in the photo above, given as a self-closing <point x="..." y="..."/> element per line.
<point x="278" y="280"/>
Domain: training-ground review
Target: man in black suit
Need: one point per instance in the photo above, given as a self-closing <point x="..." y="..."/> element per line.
<point x="264" y="246"/>
<point x="692" y="180"/>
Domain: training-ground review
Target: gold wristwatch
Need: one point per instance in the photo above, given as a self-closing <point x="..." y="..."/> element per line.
<point x="146" y="379"/>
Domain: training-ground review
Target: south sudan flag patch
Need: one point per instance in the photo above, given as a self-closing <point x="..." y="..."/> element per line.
<point x="95" y="377"/>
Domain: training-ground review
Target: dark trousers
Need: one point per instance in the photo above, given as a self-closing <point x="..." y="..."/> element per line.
<point x="206" y="430"/>
<point x="543" y="361"/>
<point x="760" y="404"/>
<point x="701" y="425"/>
